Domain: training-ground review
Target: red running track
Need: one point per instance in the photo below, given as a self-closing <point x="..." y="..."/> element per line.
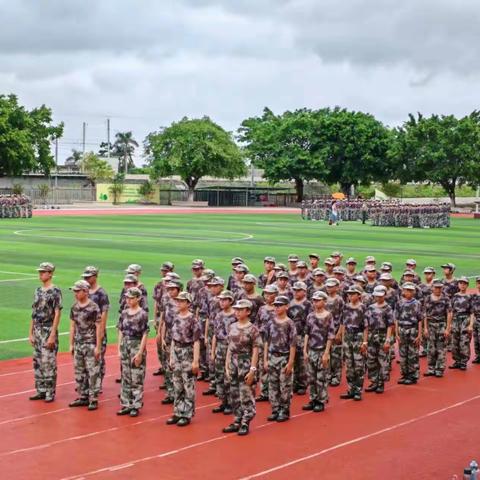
<point x="427" y="431"/>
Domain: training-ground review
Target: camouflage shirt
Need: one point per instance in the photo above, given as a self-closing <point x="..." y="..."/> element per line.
<point x="437" y="309"/>
<point x="288" y="292"/>
<point x="194" y="285"/>
<point x="232" y="284"/>
<point x="450" y="288"/>
<point x="319" y="329"/>
<point x="133" y="325"/>
<point x="169" y="311"/>
<point x="292" y="276"/>
<point x="426" y="289"/>
<point x="86" y="319"/>
<point x="100" y="297"/>
<point x="202" y="300"/>
<point x="221" y="325"/>
<point x="263" y="280"/>
<point x="313" y="287"/>
<point x="408" y="312"/>
<point x="476" y="305"/>
<point x="461" y="304"/>
<point x="281" y="336"/>
<point x="242" y="340"/>
<point x="379" y="318"/>
<point x="123" y="299"/>
<point x="45" y="302"/>
<point x="298" y="312"/>
<point x="370" y="287"/>
<point x="213" y="307"/>
<point x="264" y="316"/>
<point x="353" y="318"/>
<point x="335" y="306"/>
<point x="186" y="330"/>
<point x="159" y="292"/>
<point x="257" y="302"/>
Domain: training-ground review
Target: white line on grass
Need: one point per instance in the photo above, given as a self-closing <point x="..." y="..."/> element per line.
<point x="16" y="273"/>
<point x="23" y="279"/>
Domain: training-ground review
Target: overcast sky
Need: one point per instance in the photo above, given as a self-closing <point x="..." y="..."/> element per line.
<point x="146" y="63"/>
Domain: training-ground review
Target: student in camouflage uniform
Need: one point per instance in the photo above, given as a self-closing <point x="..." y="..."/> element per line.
<point x="437" y="328"/>
<point x="319" y="335"/>
<point x="240" y="367"/>
<point x="371" y="275"/>
<point x="283" y="286"/>
<point x="334" y="305"/>
<point x="43" y="335"/>
<point x="86" y="333"/>
<point x="265" y="315"/>
<point x="98" y="295"/>
<point x="354" y="332"/>
<point x="133" y="330"/>
<point x="408" y="327"/>
<point x="450" y="285"/>
<point x="351" y="264"/>
<point x="426" y="289"/>
<point x="314" y="259"/>
<point x="221" y="325"/>
<point x="249" y="292"/>
<point x="136" y="270"/>
<point x="462" y="325"/>
<point x="380" y="320"/>
<point x="292" y="268"/>
<point x="303" y="274"/>
<point x="232" y="282"/>
<point x="298" y="311"/>
<point x="318" y="282"/>
<point x="184" y="360"/>
<point x="329" y="265"/>
<point x="279" y="358"/>
<point x="268" y="276"/>
<point x="476" y="323"/>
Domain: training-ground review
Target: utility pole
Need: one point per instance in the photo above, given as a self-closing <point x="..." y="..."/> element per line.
<point x="108" y="138"/>
<point x="56" y="170"/>
<point x="84" y="135"/>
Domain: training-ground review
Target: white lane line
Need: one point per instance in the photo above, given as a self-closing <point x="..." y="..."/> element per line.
<point x="19" y="279"/>
<point x="18" y="273"/>
<point x="359" y="439"/>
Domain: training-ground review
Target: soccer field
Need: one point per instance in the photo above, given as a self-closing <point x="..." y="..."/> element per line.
<point x="113" y="242"/>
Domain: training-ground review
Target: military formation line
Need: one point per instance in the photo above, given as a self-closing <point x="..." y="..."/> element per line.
<point x="295" y="328"/>
<point x="15" y="206"/>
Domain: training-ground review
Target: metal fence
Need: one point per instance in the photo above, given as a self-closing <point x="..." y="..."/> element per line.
<point x="57" y="196"/>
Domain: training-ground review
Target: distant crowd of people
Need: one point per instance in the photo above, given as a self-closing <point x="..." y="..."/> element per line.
<point x="380" y="213"/>
<point x="15" y="206"/>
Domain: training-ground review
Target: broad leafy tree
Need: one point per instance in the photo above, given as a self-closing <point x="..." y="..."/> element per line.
<point x="96" y="168"/>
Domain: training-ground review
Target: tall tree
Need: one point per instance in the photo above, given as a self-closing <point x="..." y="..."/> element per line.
<point x="439" y="149"/>
<point x="124" y="148"/>
<point x="96" y="168"/>
<point x="25" y="138"/>
<point x="284" y="146"/>
<point x="192" y="149"/>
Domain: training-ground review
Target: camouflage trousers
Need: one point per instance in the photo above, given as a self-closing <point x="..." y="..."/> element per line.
<point x="168" y="375"/>
<point x="299" y="370"/>
<point x="317" y="376"/>
<point x="133" y="378"/>
<point x="476" y="336"/>
<point x="460" y="339"/>
<point x="354" y="361"/>
<point x="208" y="352"/>
<point x="243" y="399"/>
<point x="183" y="381"/>
<point x="262" y="374"/>
<point x="87" y="370"/>
<point x="203" y="360"/>
<point x="222" y="385"/>
<point x="437" y="347"/>
<point x="160" y="352"/>
<point x="44" y="362"/>
<point x="409" y="355"/>
<point x="279" y="383"/>
<point x="378" y="360"/>
<point x="336" y="362"/>
<point x="103" y="365"/>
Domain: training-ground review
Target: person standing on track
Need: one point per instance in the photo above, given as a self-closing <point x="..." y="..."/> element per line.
<point x="268" y="276"/>
<point x="86" y="332"/>
<point x="43" y="335"/>
<point x="98" y="295"/>
<point x="335" y="305"/>
<point x="476" y="323"/>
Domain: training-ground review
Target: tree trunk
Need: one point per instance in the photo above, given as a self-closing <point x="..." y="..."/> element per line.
<point x="346" y="188"/>
<point x="299" y="189"/>
<point x="450" y="188"/>
<point x="191" y="184"/>
<point x="191" y="194"/>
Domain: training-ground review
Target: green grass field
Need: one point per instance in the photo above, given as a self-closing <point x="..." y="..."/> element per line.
<point x="113" y="242"/>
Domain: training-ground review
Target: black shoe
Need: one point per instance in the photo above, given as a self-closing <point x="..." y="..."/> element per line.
<point x="49" y="398"/>
<point x="283" y="417"/>
<point x="413" y="381"/>
<point x="309" y="406"/>
<point x="301" y="391"/>
<point x="118" y="380"/>
<point x="201" y="377"/>
<point x="172" y="420"/>
<point x="408" y="381"/>
<point x="162" y="387"/>
<point x="357" y="396"/>
<point x="228" y="410"/>
<point x="158" y="372"/>
<point x="79" y="402"/>
<point x="134" y="412"/>
<point x="346" y="396"/>
<point x="439" y="374"/>
<point x="334" y="383"/>
<point x="463" y="367"/>
<point x="454" y="366"/>
<point x="319" y="407"/>
<point x="167" y="401"/>
<point x="232" y="428"/>
<point x="380" y="389"/>
<point x="371" y="388"/>
<point x="261" y="398"/>
<point x="273" y="417"/>
<point x="183" y="422"/>
<point x="476" y="360"/>
<point x="402" y="381"/>
<point x="210" y="391"/>
<point x="429" y="374"/>
<point x="123" y="411"/>
<point x="38" y="396"/>
<point x="219" y="409"/>
<point x="422" y="354"/>
<point x="243" y="430"/>
<point x="93" y="405"/>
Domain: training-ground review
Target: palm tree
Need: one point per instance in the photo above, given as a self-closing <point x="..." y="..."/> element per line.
<point x="123" y="148"/>
<point x="74" y="160"/>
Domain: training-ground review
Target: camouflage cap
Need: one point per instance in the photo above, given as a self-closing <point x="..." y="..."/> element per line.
<point x="226" y="294"/>
<point x="386" y="266"/>
<point x="90" y="271"/>
<point x="46" y="267"/>
<point x="351" y="260"/>
<point x="300" y="286"/>
<point x="216" y="281"/>
<point x="172" y="285"/>
<point x="437" y="283"/>
<point x="379" y="292"/>
<point x="249" y="278"/>
<point x="449" y="265"/>
<point x="370" y="259"/>
<point x="172" y="276"/>
<point x="463" y="279"/>
<point x="167" y="266"/>
<point x="428" y="270"/>
<point x="207" y="275"/>
<point x="293" y="258"/>
<point x="336" y="254"/>
<point x="319" y="271"/>
<point x="133" y="268"/>
<point x="409" y="286"/>
<point x="339" y="271"/>
<point x="353" y="289"/>
<point x="184" y="296"/>
<point x="281" y="300"/>
<point x="280" y="266"/>
<point x="198" y="263"/>
<point x="270" y="289"/>
<point x="409" y="272"/>
<point x="319" y="295"/>
<point x="411" y="261"/>
<point x="80" y="285"/>
<point x="314" y="255"/>
<point x="242" y="268"/>
<point x="332" y="282"/>
<point x="243" y="303"/>
<point x="282" y="274"/>
<point x="301" y="264"/>
<point x="386" y="277"/>
<point x="370" y="268"/>
<point x="360" y="278"/>
<point x="130" y="278"/>
<point x="134" y="292"/>
<point x="237" y="261"/>
<point x="269" y="259"/>
<point x="329" y="261"/>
